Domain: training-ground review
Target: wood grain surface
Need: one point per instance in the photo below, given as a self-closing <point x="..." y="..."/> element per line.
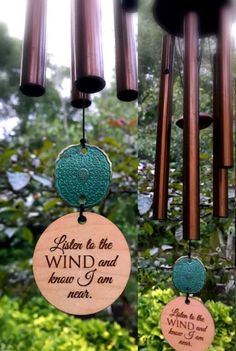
<point x="187" y="326"/>
<point x="81" y="268"/>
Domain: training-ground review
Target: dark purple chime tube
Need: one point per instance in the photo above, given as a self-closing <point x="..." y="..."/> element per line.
<point x="191" y="198"/>
<point x="78" y="99"/>
<point x="126" y="67"/>
<point x="160" y="201"/>
<point x="87" y="47"/>
<point x="220" y="175"/>
<point x="225" y="87"/>
<point x="33" y="62"/>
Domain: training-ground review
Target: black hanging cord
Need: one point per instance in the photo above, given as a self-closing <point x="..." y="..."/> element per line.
<point x="82" y="219"/>
<point x="83" y="140"/>
<point x="187" y="301"/>
<point x="189" y="249"/>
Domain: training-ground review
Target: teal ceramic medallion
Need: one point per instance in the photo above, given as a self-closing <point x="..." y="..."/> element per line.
<point x="189" y="275"/>
<point x="82" y="175"/>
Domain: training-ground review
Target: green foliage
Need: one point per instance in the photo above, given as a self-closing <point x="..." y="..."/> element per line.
<point x="150" y="307"/>
<point x="149" y="311"/>
<point x="225" y="326"/>
<point x="37" y="326"/>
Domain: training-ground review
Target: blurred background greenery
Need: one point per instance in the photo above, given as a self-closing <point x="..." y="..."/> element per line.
<point x="29" y="203"/>
<point x="160" y="243"/>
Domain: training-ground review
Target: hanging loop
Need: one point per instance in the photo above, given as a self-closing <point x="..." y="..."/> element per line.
<point x="187" y="301"/>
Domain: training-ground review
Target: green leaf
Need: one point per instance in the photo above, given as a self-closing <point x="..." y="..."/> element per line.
<point x="214" y="240"/>
<point x="148" y="228"/>
<point x="5" y="158"/>
<point x="26" y="234"/>
<point x="50" y="204"/>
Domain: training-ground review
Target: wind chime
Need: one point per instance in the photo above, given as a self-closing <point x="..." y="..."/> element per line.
<point x="185" y="321"/>
<point x="81" y="262"/>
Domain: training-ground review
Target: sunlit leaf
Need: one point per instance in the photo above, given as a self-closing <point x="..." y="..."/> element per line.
<point x="45" y="181"/>
<point x="166" y="247"/>
<point x="50" y="204"/>
<point x="18" y="180"/>
<point x="10" y="232"/>
<point x="144" y="203"/>
<point x="179" y="233"/>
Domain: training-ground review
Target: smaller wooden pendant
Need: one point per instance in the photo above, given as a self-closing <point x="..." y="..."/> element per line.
<point x="187" y="326"/>
<point x="81" y="268"/>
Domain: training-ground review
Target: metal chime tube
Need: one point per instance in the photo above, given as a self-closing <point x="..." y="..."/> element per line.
<point x="126" y="67"/>
<point x="191" y="212"/>
<point x="220" y="175"/>
<point x="87" y="48"/>
<point x="33" y="61"/>
<point x="160" y="201"/>
<point x="78" y="99"/>
<point x="225" y="104"/>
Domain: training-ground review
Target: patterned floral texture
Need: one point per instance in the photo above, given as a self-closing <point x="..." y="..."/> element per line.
<point x="189" y="275"/>
<point x="82" y="175"/>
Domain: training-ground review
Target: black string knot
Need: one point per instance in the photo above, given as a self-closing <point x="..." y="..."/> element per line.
<point x="83" y="142"/>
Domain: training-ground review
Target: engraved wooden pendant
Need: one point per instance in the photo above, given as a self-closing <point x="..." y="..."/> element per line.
<point x="81" y="268"/>
<point x="187" y="326"/>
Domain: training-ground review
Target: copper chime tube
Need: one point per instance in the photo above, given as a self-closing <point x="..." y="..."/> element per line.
<point x="220" y="175"/>
<point x="33" y="61"/>
<point x="191" y="212"/>
<point x="160" y="201"/>
<point x="78" y="99"/>
<point x="126" y="67"/>
<point x="87" y="48"/>
<point x="225" y="87"/>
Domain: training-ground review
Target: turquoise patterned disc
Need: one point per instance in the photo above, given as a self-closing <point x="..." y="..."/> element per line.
<point x="189" y="275"/>
<point x="82" y="175"/>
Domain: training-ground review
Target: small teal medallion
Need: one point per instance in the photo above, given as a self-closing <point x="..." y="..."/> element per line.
<point x="189" y="275"/>
<point x="82" y="175"/>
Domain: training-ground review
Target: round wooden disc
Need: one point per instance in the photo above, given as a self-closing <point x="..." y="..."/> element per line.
<point x="187" y="326"/>
<point x="81" y="268"/>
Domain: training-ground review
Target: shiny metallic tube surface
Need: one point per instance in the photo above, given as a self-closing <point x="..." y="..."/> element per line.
<point x="160" y="201"/>
<point x="220" y="175"/>
<point x="126" y="67"/>
<point x="33" y="61"/>
<point x="87" y="48"/>
<point x="225" y="87"/>
<point x="78" y="99"/>
<point x="191" y="202"/>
